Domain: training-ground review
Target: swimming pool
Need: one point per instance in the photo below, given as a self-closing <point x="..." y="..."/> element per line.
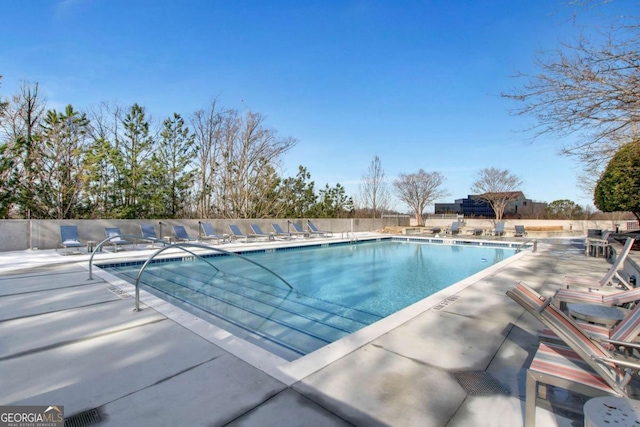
<point x="339" y="288"/>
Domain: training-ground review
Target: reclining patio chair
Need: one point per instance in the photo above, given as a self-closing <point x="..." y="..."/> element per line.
<point x="237" y="234"/>
<point x="566" y="296"/>
<point x="626" y="329"/>
<point x="499" y="229"/>
<point x="208" y="233"/>
<point x="299" y="231"/>
<point x="520" y="231"/>
<point x="581" y="364"/>
<point x="314" y="230"/>
<point x="280" y="232"/>
<point x="591" y="283"/>
<point x="257" y="232"/>
<point x="113" y="234"/>
<point x="69" y="238"/>
<point x="181" y="234"/>
<point x="148" y="232"/>
<point x="454" y="229"/>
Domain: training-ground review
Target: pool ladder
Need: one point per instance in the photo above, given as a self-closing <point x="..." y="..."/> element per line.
<point x="351" y="236"/>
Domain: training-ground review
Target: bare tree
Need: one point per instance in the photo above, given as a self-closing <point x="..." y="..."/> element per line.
<point x="419" y="189"/>
<point x="497" y="187"/>
<point x="591" y="89"/>
<point x="208" y="129"/>
<point x="249" y="154"/>
<point x="374" y="190"/>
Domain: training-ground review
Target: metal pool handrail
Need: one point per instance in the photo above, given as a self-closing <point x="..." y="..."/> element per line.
<point x="534" y="247"/>
<point x="129" y="236"/>
<point x="180" y="246"/>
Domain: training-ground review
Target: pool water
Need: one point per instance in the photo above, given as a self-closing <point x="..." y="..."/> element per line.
<point x="338" y="289"/>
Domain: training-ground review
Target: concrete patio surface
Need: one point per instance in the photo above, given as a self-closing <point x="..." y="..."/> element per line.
<point x="66" y="340"/>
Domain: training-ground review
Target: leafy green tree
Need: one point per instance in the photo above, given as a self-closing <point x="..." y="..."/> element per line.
<point x="297" y="195"/>
<point x="171" y="176"/>
<point x="564" y="209"/>
<point x="8" y="181"/>
<point x="21" y="117"/>
<point x="618" y="188"/>
<point x="334" y="203"/>
<point x="135" y="147"/>
<point x="62" y="163"/>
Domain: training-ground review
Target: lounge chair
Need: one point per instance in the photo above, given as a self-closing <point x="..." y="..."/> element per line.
<point x="113" y="234"/>
<point x="299" y="231"/>
<point x="499" y="229"/>
<point x="208" y="233"/>
<point x="237" y="234"/>
<point x="314" y="230"/>
<point x="181" y="234"/>
<point x="520" y="231"/>
<point x="279" y="232"/>
<point x="69" y="238"/>
<point x="148" y="232"/>
<point x="580" y="296"/>
<point x="454" y="229"/>
<point x="612" y="273"/>
<point x="257" y="232"/>
<point x="581" y="365"/>
<point x="626" y="329"/>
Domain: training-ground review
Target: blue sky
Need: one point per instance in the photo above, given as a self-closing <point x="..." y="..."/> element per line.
<point x="415" y="82"/>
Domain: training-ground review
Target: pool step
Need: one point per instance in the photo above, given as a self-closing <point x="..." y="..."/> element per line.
<point x="299" y="323"/>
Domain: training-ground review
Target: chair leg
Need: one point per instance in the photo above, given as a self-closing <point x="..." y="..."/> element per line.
<point x="531" y="400"/>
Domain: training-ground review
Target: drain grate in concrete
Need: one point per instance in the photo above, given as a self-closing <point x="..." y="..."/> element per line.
<point x="116" y="290"/>
<point x="83" y="419"/>
<point x="479" y="383"/>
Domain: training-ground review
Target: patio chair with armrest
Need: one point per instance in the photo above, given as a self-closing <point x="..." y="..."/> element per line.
<point x="611" y="275"/>
<point x="581" y="364"/>
<point x="626" y="329"/>
<point x="69" y="238"/>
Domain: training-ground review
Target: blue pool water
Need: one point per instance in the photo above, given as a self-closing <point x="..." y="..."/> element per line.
<point x="338" y="289"/>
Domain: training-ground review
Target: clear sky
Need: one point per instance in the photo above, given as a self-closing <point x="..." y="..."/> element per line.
<point x="415" y="82"/>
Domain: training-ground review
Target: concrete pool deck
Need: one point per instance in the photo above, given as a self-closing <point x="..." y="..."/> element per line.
<point x="66" y="340"/>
